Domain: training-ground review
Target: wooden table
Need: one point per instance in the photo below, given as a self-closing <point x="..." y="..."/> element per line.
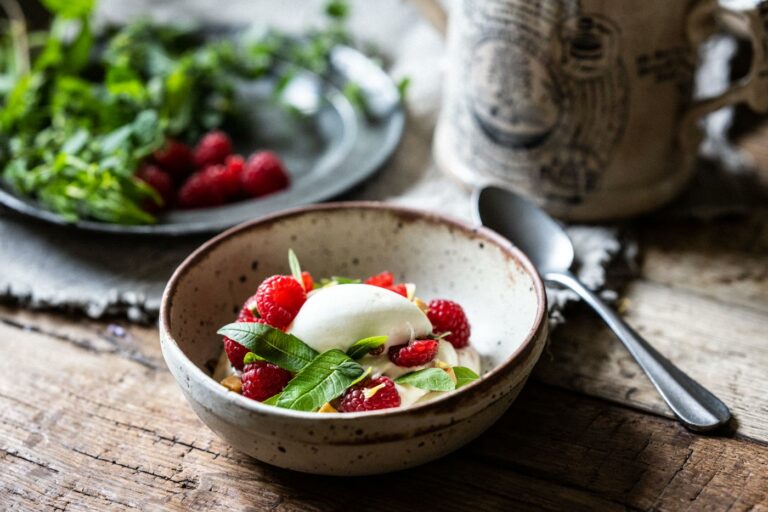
<point x="90" y="418"/>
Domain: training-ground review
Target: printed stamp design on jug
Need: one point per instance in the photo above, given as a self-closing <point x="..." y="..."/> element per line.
<point x="546" y="99"/>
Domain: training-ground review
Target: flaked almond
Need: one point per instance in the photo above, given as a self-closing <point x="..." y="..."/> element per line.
<point x="369" y="392"/>
<point x="327" y="407"/>
<point x="233" y="383"/>
<point x="421" y="304"/>
<point x="451" y="374"/>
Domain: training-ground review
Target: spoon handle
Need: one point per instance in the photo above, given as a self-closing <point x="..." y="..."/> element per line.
<point x="696" y="407"/>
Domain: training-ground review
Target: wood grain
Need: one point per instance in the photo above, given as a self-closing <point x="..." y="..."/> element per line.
<point x="85" y="430"/>
<point x="722" y="346"/>
<point x="91" y="420"/>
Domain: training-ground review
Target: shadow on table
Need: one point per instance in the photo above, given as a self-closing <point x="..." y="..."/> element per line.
<point x="552" y="450"/>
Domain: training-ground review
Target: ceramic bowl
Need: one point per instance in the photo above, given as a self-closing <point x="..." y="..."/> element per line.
<point x="495" y="283"/>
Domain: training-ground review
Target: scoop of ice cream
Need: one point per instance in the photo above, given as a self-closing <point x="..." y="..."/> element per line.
<point x="338" y="316"/>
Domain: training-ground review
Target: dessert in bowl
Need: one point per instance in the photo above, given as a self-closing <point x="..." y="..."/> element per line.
<point x="499" y="292"/>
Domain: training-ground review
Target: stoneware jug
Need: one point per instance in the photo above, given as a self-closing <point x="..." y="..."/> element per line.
<point x="584" y="105"/>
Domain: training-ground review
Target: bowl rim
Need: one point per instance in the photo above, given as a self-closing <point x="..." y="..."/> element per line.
<point x="168" y="341"/>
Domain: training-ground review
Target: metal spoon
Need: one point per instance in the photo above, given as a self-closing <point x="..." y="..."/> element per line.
<point x="547" y="245"/>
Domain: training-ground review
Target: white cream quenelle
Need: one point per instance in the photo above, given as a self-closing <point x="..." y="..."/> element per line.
<point x="338" y="316"/>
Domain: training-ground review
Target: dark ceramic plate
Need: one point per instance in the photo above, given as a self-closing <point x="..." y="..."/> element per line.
<point x="333" y="147"/>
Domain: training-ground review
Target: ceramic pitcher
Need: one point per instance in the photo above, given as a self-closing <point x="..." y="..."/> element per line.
<point x="585" y="105"/>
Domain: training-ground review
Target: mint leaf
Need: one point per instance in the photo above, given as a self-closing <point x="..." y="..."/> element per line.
<point x="293" y="262"/>
<point x="365" y="345"/>
<point x="362" y="376"/>
<point x="250" y="357"/>
<point x="431" y="379"/>
<point x="464" y="376"/>
<point x="321" y="381"/>
<point x="285" y="350"/>
<point x="272" y="400"/>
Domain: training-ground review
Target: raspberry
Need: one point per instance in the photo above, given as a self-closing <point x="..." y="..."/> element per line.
<point x="226" y="179"/>
<point x="262" y="380"/>
<point x="416" y="353"/>
<point x="200" y="191"/>
<point x="354" y="399"/>
<point x="213" y="148"/>
<point x="264" y="173"/>
<point x="159" y="180"/>
<point x="235" y="351"/>
<point x="175" y="157"/>
<point x="383" y="280"/>
<point x="398" y="288"/>
<point x="235" y="164"/>
<point x="447" y="316"/>
<point x="309" y="283"/>
<point x="247" y="313"/>
<point x="278" y="299"/>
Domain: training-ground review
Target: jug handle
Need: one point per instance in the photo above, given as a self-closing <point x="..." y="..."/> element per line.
<point x="703" y="20"/>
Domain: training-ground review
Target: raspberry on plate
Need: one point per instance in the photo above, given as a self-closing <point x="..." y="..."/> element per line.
<point x="159" y="180"/>
<point x="416" y="353"/>
<point x="175" y="157"/>
<point x="213" y="148"/>
<point x="448" y="316"/>
<point x="384" y="280"/>
<point x="264" y="174"/>
<point x="262" y="380"/>
<point x="370" y="395"/>
<point x="200" y="191"/>
<point x="225" y="178"/>
<point x="278" y="299"/>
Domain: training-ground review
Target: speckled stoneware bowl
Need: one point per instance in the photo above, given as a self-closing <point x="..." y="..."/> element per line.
<point x="497" y="285"/>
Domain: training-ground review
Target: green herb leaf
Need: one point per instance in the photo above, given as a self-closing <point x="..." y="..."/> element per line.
<point x="402" y="87"/>
<point x="293" y="262"/>
<point x="337" y="9"/>
<point x="365" y="345"/>
<point x="464" y="376"/>
<point x="431" y="379"/>
<point x="324" y="379"/>
<point x="69" y="8"/>
<point x="273" y="399"/>
<point x="285" y="350"/>
<point x="250" y="357"/>
<point x="362" y="377"/>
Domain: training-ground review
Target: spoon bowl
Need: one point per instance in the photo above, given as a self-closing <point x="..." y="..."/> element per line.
<point x="539" y="236"/>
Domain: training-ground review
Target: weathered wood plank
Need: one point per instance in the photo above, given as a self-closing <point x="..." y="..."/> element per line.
<point x="726" y="260"/>
<point x="82" y="429"/>
<point x="722" y="346"/>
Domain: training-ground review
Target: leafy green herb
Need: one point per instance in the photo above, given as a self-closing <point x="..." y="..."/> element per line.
<point x="362" y="377"/>
<point x="272" y="400"/>
<point x="293" y="263"/>
<point x="464" y="376"/>
<point x="250" y="357"/>
<point x="77" y="123"/>
<point x="431" y="379"/>
<point x="338" y="9"/>
<point x="402" y="87"/>
<point x="324" y="379"/>
<point x="365" y="345"/>
<point x="284" y="350"/>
